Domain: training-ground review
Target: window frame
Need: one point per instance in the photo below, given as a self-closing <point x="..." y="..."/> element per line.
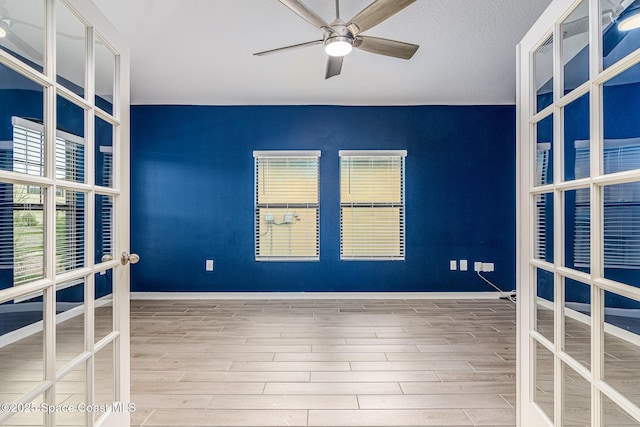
<point x="258" y="206"/>
<point x="401" y="253"/>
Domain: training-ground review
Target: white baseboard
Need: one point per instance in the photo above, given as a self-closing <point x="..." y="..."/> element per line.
<point x="311" y="295"/>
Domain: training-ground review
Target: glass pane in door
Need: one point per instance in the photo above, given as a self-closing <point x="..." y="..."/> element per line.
<point x="28" y="417"/>
<point x="620" y="35"/>
<point x="71" y="390"/>
<point x="104" y="134"/>
<point x="544" y="380"/>
<point x="621" y="101"/>
<point x="70" y="142"/>
<point x="104" y="378"/>
<point x="70" y="229"/>
<point x="23" y="25"/>
<point x="621" y="203"/>
<point x="614" y="416"/>
<point x="70" y="321"/>
<point x="70" y="50"/>
<point x="577" y="229"/>
<point x="575" y="47"/>
<point x="544" y="226"/>
<point x="543" y="74"/>
<point x="577" y="139"/>
<point x="21" y="359"/>
<point x="104" y="228"/>
<point x="544" y="303"/>
<point x="544" y="151"/>
<point x="103" y="304"/>
<point x="577" y="321"/>
<point x="621" y="344"/>
<point x="21" y="234"/>
<point x="105" y="71"/>
<point x="576" y="398"/>
<point x="21" y="133"/>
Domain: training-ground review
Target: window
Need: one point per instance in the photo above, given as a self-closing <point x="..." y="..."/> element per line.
<point x="22" y="206"/>
<point x="621" y="206"/>
<point x="372" y="205"/>
<point x="286" y="205"/>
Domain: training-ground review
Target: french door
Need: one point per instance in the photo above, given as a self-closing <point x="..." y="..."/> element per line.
<point x="64" y="216"/>
<point x="578" y="112"/>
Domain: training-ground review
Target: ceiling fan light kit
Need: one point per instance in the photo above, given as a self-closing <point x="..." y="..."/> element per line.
<point x="339" y="38"/>
<point x="631" y="22"/>
<point x="338" y="46"/>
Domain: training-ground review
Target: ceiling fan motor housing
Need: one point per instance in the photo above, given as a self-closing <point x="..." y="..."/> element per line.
<point x="338" y="34"/>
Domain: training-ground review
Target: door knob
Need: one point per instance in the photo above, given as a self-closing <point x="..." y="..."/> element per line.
<point x="131" y="258"/>
<point x="106" y="258"/>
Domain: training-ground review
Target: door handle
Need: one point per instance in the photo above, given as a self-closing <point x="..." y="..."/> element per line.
<point x="129" y="258"/>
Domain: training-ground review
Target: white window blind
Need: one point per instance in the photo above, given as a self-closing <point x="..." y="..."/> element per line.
<point x="70" y="220"/>
<point x="105" y="220"/>
<point x="28" y="147"/>
<point x="105" y="203"/>
<point x="621" y="207"/>
<point x="372" y="225"/>
<point x="28" y="151"/>
<point x="287" y="205"/>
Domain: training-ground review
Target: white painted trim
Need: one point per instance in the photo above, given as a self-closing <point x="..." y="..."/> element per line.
<point x="313" y="295"/>
<point x="609" y="143"/>
<point x="369" y="153"/>
<point x="287" y="153"/>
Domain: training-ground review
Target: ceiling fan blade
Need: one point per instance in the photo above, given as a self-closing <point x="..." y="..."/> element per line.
<point x="375" y="13"/>
<point x="292" y="47"/>
<point x="25" y="47"/>
<point x="334" y="66"/>
<point x="386" y="47"/>
<point x="305" y="13"/>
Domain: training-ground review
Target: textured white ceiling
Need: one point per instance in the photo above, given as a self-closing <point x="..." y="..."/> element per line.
<point x="200" y="52"/>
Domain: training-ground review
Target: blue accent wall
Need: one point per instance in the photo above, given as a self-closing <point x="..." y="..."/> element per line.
<point x="192" y="195"/>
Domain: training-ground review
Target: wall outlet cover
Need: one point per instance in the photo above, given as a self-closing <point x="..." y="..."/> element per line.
<point x="487" y="266"/>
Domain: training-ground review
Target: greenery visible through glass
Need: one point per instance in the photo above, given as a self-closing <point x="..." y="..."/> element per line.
<point x="28" y="233"/>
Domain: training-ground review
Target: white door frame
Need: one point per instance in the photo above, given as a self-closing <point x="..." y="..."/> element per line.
<point x="528" y="412"/>
<point x="118" y="339"/>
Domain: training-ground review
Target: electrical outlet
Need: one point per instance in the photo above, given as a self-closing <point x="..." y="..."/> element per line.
<point x="477" y="266"/>
<point x="463" y="265"/>
<point x="487" y="266"/>
<point x="452" y="264"/>
<point x="208" y="265"/>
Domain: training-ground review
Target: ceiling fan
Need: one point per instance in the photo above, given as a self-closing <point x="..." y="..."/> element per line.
<point x="340" y="37"/>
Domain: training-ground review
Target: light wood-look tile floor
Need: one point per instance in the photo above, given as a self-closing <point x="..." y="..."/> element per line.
<point x="323" y="362"/>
